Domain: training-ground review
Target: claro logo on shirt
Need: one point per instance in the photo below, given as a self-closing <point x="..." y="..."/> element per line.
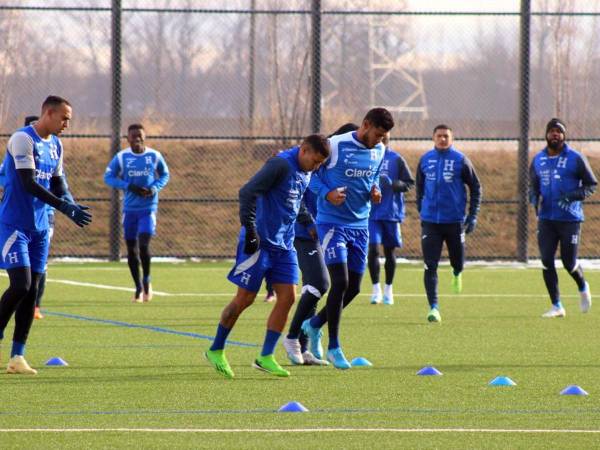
<point x="359" y="173"/>
<point x="139" y="173"/>
<point x="40" y="175"/>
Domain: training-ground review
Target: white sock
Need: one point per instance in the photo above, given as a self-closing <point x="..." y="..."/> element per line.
<point x="376" y="288"/>
<point x="388" y="290"/>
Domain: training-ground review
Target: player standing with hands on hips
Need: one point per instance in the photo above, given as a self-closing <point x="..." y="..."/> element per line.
<point x="560" y="179"/>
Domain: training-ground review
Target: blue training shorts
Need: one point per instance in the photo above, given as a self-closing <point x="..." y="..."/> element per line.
<point x="386" y="232"/>
<point x="21" y="248"/>
<point x="138" y="222"/>
<point x="344" y="245"/>
<point x="277" y="266"/>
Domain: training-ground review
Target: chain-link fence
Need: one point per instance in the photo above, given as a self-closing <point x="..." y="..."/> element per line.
<point x="220" y="86"/>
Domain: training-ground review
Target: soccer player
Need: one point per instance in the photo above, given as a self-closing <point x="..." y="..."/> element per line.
<point x="34" y="179"/>
<point x="385" y="219"/>
<point x="442" y="174"/>
<point x="345" y="187"/>
<point x="269" y="205"/>
<point x="560" y="179"/>
<point x="315" y="280"/>
<point x="142" y="173"/>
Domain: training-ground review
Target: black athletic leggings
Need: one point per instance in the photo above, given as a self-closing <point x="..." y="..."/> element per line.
<point x="19" y="299"/>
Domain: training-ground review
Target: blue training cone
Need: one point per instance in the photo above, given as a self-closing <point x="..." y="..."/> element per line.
<point x="502" y="381"/>
<point x="429" y="370"/>
<point x="573" y="390"/>
<point x="361" y="362"/>
<point x="293" y="407"/>
<point x="56" y="361"/>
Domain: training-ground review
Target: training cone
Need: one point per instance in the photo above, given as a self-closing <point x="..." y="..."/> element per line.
<point x="361" y="362"/>
<point x="293" y="407"/>
<point x="573" y="390"/>
<point x="56" y="361"/>
<point x="502" y="381"/>
<point x="429" y="370"/>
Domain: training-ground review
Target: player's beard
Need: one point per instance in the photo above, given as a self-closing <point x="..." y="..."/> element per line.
<point x="555" y="144"/>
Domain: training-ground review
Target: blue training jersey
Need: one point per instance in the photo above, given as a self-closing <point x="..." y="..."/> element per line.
<point x="566" y="174"/>
<point x="271" y="200"/>
<point x="27" y="150"/>
<point x="147" y="169"/>
<point x="399" y="181"/>
<point x="355" y="167"/>
<point x="310" y="203"/>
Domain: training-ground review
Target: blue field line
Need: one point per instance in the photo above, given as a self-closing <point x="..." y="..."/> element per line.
<point x="137" y="412"/>
<point x="144" y="327"/>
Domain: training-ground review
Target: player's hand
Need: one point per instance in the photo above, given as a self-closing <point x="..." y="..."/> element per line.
<point x="137" y="190"/>
<point x="535" y="201"/>
<point x="251" y="241"/>
<point x="384" y="181"/>
<point x="77" y="213"/>
<point x="337" y="196"/>
<point x="470" y="223"/>
<point x="564" y="202"/>
<point x="375" y="195"/>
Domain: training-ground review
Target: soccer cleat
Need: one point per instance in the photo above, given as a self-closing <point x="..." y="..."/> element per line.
<point x="337" y="358"/>
<point x="148" y="294"/>
<point x="388" y="299"/>
<point x="434" y="315"/>
<point x="217" y="359"/>
<point x="268" y="364"/>
<point x="457" y="283"/>
<point x="137" y="297"/>
<point x="294" y="353"/>
<point x="314" y="339"/>
<point x="376" y="298"/>
<point x="586" y="298"/>
<point x="311" y="360"/>
<point x="18" y="365"/>
<point x="37" y="314"/>
<point x="555" y="311"/>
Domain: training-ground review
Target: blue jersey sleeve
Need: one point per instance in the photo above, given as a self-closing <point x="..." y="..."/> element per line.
<point x="470" y="178"/>
<point x="163" y="175"/>
<point x="317" y="185"/>
<point x="112" y="176"/>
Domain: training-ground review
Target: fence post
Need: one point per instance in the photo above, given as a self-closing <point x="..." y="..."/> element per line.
<point x="115" y="144"/>
<point x="523" y="155"/>
<point x="316" y="66"/>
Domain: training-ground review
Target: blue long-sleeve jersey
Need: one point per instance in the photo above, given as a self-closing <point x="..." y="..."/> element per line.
<point x="147" y="169"/>
<point x="398" y="181"/>
<point x="567" y="176"/>
<point x="271" y="200"/>
<point x="441" y="193"/>
<point x="354" y="166"/>
<point x="302" y="227"/>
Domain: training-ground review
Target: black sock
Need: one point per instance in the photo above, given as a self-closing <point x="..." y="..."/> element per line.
<point x="305" y="310"/>
<point x="145" y="257"/>
<point x="373" y="262"/>
<point x="390" y="264"/>
<point x="430" y="278"/>
<point x="551" y="280"/>
<point x="134" y="265"/>
<point x="577" y="275"/>
<point x="40" y="290"/>
<point x="20" y="284"/>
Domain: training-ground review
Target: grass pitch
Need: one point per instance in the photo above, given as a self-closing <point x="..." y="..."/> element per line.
<point x="137" y="378"/>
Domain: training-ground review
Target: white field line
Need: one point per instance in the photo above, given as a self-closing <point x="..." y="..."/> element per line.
<point x="299" y="430"/>
<point x="230" y="294"/>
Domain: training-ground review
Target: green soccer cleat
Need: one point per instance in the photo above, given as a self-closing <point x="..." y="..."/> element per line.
<point x="457" y="283"/>
<point x="268" y="364"/>
<point x="217" y="359"/>
<point x="434" y="315"/>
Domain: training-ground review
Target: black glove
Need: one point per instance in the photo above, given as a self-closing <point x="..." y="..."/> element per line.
<point x="137" y="190"/>
<point x="470" y="223"/>
<point x="251" y="242"/>
<point x="77" y="213"/>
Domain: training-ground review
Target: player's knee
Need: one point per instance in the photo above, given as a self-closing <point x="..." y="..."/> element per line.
<point x="548" y="262"/>
<point x="431" y="265"/>
<point x="339" y="284"/>
<point x="373" y="251"/>
<point x="323" y="286"/>
<point x="20" y="291"/>
<point x="570" y="266"/>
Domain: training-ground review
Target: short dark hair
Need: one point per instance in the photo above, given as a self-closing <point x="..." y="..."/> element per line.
<point x="441" y="126"/>
<point x="135" y="126"/>
<point x="346" y="128"/>
<point x="380" y="118"/>
<point x="318" y="143"/>
<point x="53" y="101"/>
<point x="30" y="119"/>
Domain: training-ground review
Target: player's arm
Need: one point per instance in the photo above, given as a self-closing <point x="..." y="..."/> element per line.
<point x="163" y="176"/>
<point x="420" y="186"/>
<point x="2" y="175"/>
<point x="60" y="188"/>
<point x="470" y="178"/>
<point x="534" y="187"/>
<point x="272" y="173"/>
<point x="588" y="182"/>
<point x="112" y="175"/>
<point x="405" y="181"/>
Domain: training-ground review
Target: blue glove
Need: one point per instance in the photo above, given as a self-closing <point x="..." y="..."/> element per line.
<point x="251" y="241"/>
<point x="470" y="223"/>
<point x="384" y="180"/>
<point x="77" y="213"/>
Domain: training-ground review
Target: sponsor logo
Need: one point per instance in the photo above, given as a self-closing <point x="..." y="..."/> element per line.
<point x="139" y="173"/>
<point x="359" y="173"/>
